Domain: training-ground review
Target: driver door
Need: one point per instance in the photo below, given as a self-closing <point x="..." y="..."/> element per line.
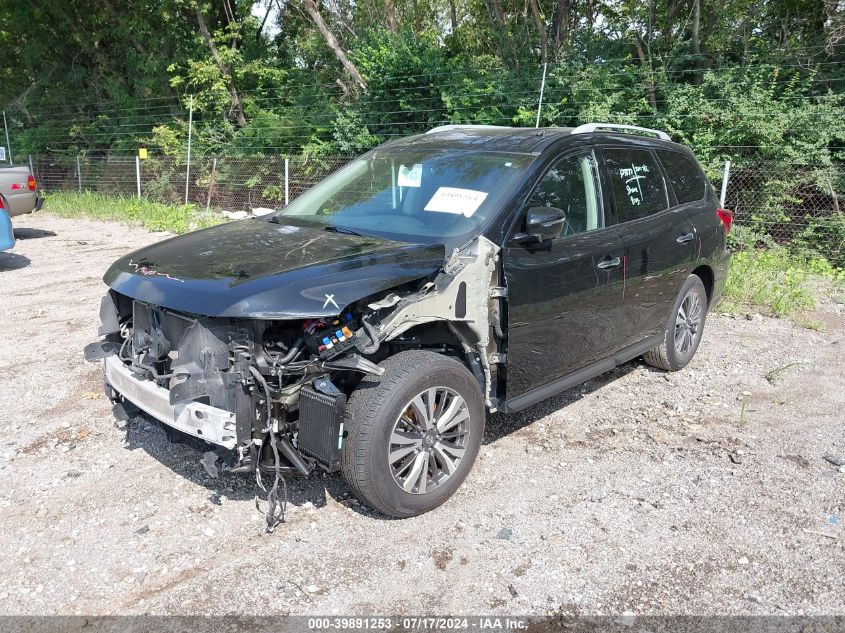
<point x="564" y="294"/>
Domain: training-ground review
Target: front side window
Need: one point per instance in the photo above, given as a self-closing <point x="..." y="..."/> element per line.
<point x="684" y="175"/>
<point x="412" y="195"/>
<point x="636" y="181"/>
<point x="572" y="185"/>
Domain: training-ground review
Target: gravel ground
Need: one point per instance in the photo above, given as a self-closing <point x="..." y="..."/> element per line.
<point x="700" y="492"/>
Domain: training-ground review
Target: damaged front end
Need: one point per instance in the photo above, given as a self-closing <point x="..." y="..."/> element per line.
<point x="228" y="382"/>
<point x="269" y="395"/>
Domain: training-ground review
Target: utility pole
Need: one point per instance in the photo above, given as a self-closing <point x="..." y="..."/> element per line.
<point x="542" y="89"/>
<point x="190" y="130"/>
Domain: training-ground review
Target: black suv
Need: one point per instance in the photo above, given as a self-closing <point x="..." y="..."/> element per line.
<point x="368" y="326"/>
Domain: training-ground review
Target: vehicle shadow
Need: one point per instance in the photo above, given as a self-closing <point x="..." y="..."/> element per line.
<point x="182" y="454"/>
<point x="13" y="261"/>
<point x="26" y="233"/>
<point x="500" y="425"/>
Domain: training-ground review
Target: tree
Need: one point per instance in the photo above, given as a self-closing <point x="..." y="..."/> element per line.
<point x="332" y="43"/>
<point x="237" y="107"/>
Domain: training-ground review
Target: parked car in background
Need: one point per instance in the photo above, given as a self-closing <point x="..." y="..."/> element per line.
<point x="369" y="326"/>
<point x="19" y="191"/>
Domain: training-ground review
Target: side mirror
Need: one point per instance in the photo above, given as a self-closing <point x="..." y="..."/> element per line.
<point x="544" y="223"/>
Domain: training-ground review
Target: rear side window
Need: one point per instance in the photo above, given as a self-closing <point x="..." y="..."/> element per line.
<point x="636" y="181"/>
<point x="684" y="175"/>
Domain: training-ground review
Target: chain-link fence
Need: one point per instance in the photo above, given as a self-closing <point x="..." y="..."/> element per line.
<point x="796" y="204"/>
<point x="800" y="205"/>
<point x="223" y="183"/>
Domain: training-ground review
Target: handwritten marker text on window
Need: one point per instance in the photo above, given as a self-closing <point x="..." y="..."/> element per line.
<point x="633" y="174"/>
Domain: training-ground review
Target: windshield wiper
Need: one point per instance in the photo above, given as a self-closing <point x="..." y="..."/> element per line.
<point x="340" y="229"/>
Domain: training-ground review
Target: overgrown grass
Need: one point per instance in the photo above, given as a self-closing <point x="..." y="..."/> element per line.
<point x="770" y="280"/>
<point x="151" y="215"/>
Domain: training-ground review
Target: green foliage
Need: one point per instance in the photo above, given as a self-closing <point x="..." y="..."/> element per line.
<point x="760" y="113"/>
<point x="823" y="238"/>
<point x="760" y="84"/>
<point x="106" y="77"/>
<point x="823" y="268"/>
<point x="151" y="215"/>
<point x="402" y="87"/>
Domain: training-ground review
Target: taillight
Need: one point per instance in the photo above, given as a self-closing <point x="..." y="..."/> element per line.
<point x="31" y="183"/>
<point x="1" y="203"/>
<point x="726" y="217"/>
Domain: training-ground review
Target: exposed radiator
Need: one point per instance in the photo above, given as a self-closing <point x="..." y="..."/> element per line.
<point x="321" y="426"/>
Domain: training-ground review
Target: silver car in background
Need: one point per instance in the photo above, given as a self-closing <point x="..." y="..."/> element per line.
<point x="18" y="191"/>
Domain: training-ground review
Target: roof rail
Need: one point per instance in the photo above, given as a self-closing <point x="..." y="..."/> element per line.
<point x="445" y="128"/>
<point x="594" y="127"/>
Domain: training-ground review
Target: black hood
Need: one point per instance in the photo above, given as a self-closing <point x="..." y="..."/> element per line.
<point x="260" y="269"/>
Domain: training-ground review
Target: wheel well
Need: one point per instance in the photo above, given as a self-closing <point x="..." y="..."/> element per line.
<point x="437" y="337"/>
<point x="427" y="335"/>
<point x="705" y="273"/>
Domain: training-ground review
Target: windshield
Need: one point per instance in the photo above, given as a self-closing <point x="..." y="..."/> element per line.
<point x="412" y="195"/>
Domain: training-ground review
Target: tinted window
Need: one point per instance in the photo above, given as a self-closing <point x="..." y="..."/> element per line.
<point x="572" y="185"/>
<point x="638" y="187"/>
<point x="684" y="175"/>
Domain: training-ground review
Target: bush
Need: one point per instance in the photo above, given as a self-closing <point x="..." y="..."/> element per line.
<point x="824" y="238"/>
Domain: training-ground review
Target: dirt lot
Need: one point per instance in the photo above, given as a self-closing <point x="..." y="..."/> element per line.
<point x="701" y="492"/>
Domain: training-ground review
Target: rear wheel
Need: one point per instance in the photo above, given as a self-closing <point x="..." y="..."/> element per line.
<point x="414" y="433"/>
<point x="684" y="329"/>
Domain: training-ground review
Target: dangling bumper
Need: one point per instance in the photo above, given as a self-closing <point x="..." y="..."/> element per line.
<point x="214" y="425"/>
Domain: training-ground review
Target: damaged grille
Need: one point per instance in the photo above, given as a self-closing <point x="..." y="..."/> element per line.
<point x="146" y="318"/>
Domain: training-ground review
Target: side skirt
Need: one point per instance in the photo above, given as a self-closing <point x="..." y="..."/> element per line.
<point x="579" y="376"/>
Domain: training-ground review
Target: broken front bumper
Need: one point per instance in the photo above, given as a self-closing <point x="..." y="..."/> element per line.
<point x="202" y="421"/>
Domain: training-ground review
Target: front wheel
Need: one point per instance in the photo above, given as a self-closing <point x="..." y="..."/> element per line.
<point x="414" y="433"/>
<point x="684" y="329"/>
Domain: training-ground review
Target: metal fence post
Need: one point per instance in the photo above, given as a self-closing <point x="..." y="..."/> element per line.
<point x="725" y="177"/>
<point x="79" y="173"/>
<point x="138" y="175"/>
<point x="190" y="130"/>
<point x="31" y="168"/>
<point x="8" y="144"/>
<point x="286" y="181"/>
<point x="211" y="180"/>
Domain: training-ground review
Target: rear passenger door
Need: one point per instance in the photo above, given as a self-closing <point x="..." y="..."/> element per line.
<point x="658" y="237"/>
<point x="690" y="187"/>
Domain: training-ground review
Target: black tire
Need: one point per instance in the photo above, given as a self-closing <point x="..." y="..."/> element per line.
<point x="667" y="355"/>
<point x="373" y="411"/>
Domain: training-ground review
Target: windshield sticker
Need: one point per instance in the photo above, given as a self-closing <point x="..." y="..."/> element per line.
<point x="410" y="176"/>
<point x="632" y="176"/>
<point x="456" y="201"/>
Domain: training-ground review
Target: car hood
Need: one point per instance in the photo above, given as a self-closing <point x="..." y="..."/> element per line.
<point x="260" y="269"/>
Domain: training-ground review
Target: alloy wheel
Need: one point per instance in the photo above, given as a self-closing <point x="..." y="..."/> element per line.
<point x="688" y="323"/>
<point x="428" y="440"/>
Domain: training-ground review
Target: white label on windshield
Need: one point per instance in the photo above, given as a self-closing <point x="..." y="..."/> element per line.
<point x="410" y="176"/>
<point x="457" y="201"/>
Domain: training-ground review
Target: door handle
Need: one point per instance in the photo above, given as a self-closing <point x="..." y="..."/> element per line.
<point x="686" y="237"/>
<point x="609" y="263"/>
